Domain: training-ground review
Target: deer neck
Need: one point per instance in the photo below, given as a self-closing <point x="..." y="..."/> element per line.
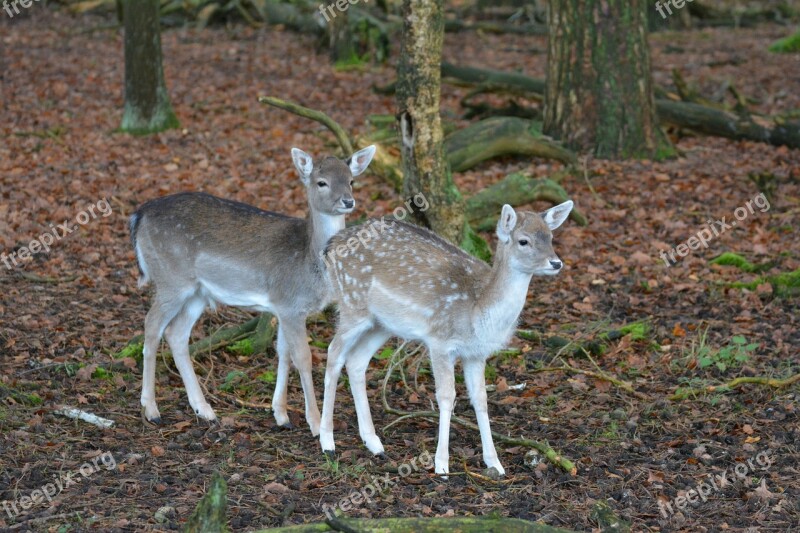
<point x="502" y="299"/>
<point x="321" y="227"/>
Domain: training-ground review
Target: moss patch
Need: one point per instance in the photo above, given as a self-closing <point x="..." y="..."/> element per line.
<point x="786" y="284"/>
<point x="787" y="45"/>
<point x="731" y="259"/>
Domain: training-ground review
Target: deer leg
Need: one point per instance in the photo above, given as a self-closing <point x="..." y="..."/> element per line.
<point x="295" y="337"/>
<point x="282" y="381"/>
<point x="338" y="352"/>
<point x="357" y="363"/>
<point x="443" y="375"/>
<point x="159" y="315"/>
<point x="178" y="333"/>
<point x="474" y="375"/>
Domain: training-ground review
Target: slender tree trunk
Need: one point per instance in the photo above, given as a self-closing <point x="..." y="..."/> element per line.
<point x="599" y="91"/>
<point x="147" y="106"/>
<point x="340" y="37"/>
<point x="425" y="167"/>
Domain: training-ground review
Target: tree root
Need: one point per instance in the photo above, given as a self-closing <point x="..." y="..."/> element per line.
<point x="682" y="394"/>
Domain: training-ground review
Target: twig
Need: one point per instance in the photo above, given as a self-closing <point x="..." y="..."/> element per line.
<point x="45" y="279"/>
<point x="485" y="479"/>
<point x="318" y="116"/>
<point x="624" y="385"/>
<point x="544" y="448"/>
<point x="755" y="380"/>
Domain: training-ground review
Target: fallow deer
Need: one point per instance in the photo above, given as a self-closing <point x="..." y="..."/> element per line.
<point x="199" y="251"/>
<point x="406" y="281"/>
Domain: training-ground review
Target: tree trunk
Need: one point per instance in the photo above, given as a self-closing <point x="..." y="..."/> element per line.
<point x="599" y="92"/>
<point x="147" y="106"/>
<point x="340" y="37"/>
<point x="425" y="168"/>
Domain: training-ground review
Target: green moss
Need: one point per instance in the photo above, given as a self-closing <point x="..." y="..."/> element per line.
<point x="233" y="380"/>
<point x="354" y="62"/>
<point x="731" y="259"/>
<point x="242" y="347"/>
<point x="490" y="372"/>
<point x="786" y="284"/>
<point x="665" y="150"/>
<point x="102" y="373"/>
<point x="474" y="245"/>
<point x="637" y="330"/>
<point x="267" y="377"/>
<point x="134" y="349"/>
<point x="787" y="45"/>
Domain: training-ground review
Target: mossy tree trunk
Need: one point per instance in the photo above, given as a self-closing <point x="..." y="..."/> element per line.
<point x="147" y="105"/>
<point x="340" y="36"/>
<point x="599" y="90"/>
<point x="425" y="168"/>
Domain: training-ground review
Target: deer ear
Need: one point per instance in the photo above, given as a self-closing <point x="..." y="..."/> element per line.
<point x="506" y="224"/>
<point x="360" y="160"/>
<point x="555" y="216"/>
<point x="303" y="163"/>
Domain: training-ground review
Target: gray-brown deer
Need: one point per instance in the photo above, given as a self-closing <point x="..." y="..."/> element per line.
<point x="199" y="250"/>
<point x="406" y="281"/>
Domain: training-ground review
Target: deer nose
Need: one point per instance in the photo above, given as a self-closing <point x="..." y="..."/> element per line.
<point x="556" y="264"/>
<point x="348" y="203"/>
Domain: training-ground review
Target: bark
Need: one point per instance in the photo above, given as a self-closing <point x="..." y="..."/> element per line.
<point x="425" y="169"/>
<point x="147" y="105"/>
<point x="209" y="516"/>
<point x="599" y="92"/>
<point x="340" y="37"/>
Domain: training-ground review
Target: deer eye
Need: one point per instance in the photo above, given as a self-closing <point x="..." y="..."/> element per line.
<point x="523" y="242"/>
<point x="352" y="182"/>
<point x="321" y="184"/>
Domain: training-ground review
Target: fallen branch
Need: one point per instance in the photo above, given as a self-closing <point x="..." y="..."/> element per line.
<point x="455" y="26"/>
<point x="551" y="455"/>
<point x="77" y="414"/>
<point x="719" y="123"/>
<point x="341" y="136"/>
<point x="682" y="394"/>
<point x="603" y="376"/>
<point x="224" y="336"/>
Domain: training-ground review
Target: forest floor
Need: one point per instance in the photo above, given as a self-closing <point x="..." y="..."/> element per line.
<point x="66" y="311"/>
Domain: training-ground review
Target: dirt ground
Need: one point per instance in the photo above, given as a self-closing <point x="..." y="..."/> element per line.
<point x="66" y="312"/>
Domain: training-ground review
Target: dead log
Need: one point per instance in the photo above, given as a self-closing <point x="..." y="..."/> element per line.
<point x="515" y="189"/>
<point x="512" y="82"/>
<point x="455" y="26"/>
<point x="499" y="136"/>
<point x="719" y="123"/>
<point x="700" y="118"/>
